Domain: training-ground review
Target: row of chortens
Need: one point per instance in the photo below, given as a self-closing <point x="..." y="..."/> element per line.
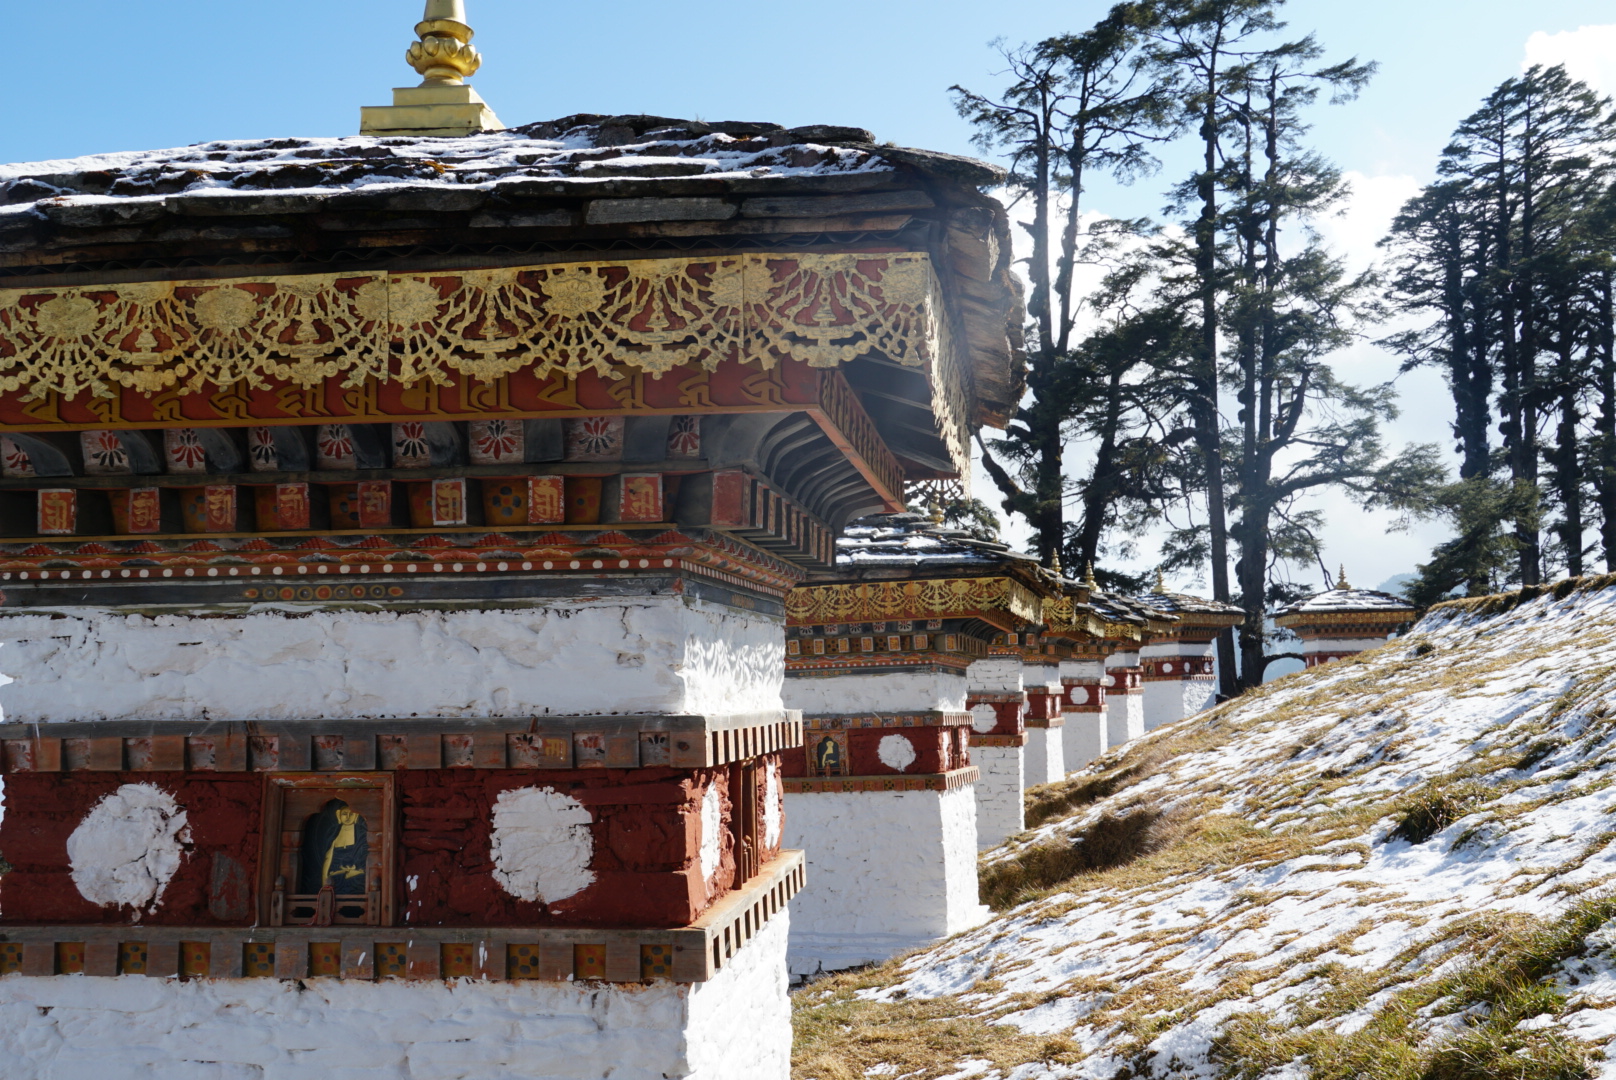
<point x="459" y="596"/>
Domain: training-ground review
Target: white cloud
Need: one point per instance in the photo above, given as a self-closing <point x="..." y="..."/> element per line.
<point x="1588" y="52"/>
<point x="1367" y="216"/>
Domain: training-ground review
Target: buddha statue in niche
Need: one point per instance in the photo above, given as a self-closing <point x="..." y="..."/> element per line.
<point x="335" y="851"/>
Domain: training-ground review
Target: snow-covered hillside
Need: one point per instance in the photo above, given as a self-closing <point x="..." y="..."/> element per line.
<point x="1394" y="866"/>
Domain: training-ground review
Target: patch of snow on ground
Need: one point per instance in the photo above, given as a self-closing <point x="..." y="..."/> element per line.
<point x="1517" y="699"/>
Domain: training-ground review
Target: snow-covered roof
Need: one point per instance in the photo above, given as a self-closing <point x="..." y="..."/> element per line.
<point x="570" y="155"/>
<point x="914" y="540"/>
<point x="1173" y="603"/>
<point x="582" y="184"/>
<point x="1346" y="601"/>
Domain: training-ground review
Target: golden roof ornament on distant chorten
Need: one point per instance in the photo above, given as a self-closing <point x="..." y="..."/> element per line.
<point x="1161" y="582"/>
<point x="1088" y="581"/>
<point x="1341" y="578"/>
<point x="443" y="104"/>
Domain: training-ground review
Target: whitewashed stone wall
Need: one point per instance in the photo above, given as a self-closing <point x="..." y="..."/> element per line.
<point x="659" y="655"/>
<point x="1340" y="645"/>
<point x="1125" y="712"/>
<point x="1124" y="717"/>
<point x="887" y="871"/>
<point x="1041" y="677"/>
<point x="137" y="1028"/>
<point x="1171" y="700"/>
<point x="1046" y="755"/>
<point x="996" y="673"/>
<point x="1084" y="738"/>
<point x="999" y="808"/>
<point x="897" y="691"/>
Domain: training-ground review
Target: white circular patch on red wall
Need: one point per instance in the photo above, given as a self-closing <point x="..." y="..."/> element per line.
<point x="542" y="845"/>
<point x="984" y="718"/>
<point x="771" y="805"/>
<point x="128" y="847"/>
<point x="712" y="824"/>
<point x="896" y="752"/>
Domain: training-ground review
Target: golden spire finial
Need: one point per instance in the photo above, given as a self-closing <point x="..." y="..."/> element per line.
<point x="1341" y="578"/>
<point x="936" y="510"/>
<point x="443" y="104"/>
<point x="1088" y="577"/>
<point x="444" y="55"/>
<point x="1161" y="583"/>
<point x="1054" y="561"/>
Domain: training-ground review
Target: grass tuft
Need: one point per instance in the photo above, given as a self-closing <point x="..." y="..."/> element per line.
<point x="1112" y="840"/>
<point x="1437" y="806"/>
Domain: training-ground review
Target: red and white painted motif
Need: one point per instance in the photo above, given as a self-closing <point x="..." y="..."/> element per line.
<point x="182" y="449"/>
<point x="496" y="442"/>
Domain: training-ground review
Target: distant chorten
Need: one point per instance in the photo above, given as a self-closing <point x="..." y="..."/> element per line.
<point x="1344" y="621"/>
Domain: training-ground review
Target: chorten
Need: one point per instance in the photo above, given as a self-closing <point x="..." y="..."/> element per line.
<point x="888" y="796"/>
<point x="1344" y="621"/>
<point x="1178" y="665"/>
<point x="394" y="543"/>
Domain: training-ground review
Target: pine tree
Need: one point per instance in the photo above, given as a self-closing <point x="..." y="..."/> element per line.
<point x="1508" y="253"/>
<point x="1077" y="104"/>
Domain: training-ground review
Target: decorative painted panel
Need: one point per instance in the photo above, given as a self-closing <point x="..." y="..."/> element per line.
<point x="652" y="315"/>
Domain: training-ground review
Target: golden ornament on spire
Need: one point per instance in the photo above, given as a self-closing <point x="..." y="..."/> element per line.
<point x="1161" y="583"/>
<point x="444" y="54"/>
<point x="1088" y="578"/>
<point x="1054" y="562"/>
<point x="443" y="104"/>
<point x="1341" y="578"/>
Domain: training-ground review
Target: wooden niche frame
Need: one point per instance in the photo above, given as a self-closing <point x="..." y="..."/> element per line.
<point x="290" y="800"/>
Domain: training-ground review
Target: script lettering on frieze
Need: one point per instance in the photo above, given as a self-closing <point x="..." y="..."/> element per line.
<point x="166" y="406"/>
<point x="234" y="403"/>
<point x="361" y="400"/>
<point x="47" y="408"/>
<point x="696" y="391"/>
<point x="109" y="410"/>
<point x="479" y="396"/>
<point x="421" y="397"/>
<point x="559" y="390"/>
<point x="299" y="401"/>
<point x="763" y="388"/>
<point x="629" y="393"/>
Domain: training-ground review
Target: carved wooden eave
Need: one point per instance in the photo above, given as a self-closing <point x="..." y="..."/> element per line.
<point x="1000" y="601"/>
<point x="639" y="189"/>
<point x="1346" y="624"/>
<point x="1066" y="617"/>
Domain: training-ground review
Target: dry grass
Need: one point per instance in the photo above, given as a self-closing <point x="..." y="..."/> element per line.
<point x="1110" y="841"/>
<point x="1104" y="844"/>
<point x="838" y="1036"/>
<point x="1505" y="982"/>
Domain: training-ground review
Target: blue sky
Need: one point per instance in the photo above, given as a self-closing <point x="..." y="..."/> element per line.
<point x="95" y="75"/>
<point x="119" y="75"/>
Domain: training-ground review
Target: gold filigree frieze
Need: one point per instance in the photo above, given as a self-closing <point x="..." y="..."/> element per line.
<point x="819" y="605"/>
<point x="1065" y="618"/>
<point x="615" y="318"/>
